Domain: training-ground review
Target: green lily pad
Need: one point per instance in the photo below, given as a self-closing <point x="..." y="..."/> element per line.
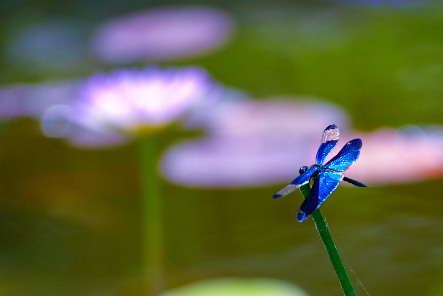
<point x="238" y="287"/>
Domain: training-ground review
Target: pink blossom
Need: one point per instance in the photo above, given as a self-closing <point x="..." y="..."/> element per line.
<point x="251" y="143"/>
<point x="104" y="110"/>
<point x="161" y="34"/>
<point x="128" y="100"/>
<point x="399" y="156"/>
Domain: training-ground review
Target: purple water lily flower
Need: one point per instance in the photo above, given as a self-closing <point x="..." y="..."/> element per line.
<point x="49" y="102"/>
<point x="107" y="108"/>
<point x="163" y="33"/>
<point x="132" y="99"/>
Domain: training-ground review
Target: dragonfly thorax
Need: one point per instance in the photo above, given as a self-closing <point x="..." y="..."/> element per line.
<point x="304" y="168"/>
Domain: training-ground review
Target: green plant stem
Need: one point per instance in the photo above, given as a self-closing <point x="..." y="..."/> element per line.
<point x="152" y="215"/>
<point x="331" y="249"/>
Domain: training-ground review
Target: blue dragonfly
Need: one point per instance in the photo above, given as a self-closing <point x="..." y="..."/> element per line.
<point x="324" y="177"/>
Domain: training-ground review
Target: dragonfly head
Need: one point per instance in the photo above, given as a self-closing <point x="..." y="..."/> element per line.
<point x="303" y="169"/>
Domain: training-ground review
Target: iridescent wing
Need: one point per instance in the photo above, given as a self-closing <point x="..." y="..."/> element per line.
<point x="324" y="185"/>
<point x="347" y="156"/>
<point x="328" y="142"/>
<point x="297" y="182"/>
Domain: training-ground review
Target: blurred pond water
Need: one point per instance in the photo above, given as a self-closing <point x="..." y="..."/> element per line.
<point x="71" y="219"/>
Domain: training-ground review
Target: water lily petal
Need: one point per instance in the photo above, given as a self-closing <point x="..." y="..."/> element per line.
<point x="161" y="34"/>
<point x="399" y="156"/>
<point x="129" y="99"/>
<point x="251" y="143"/>
<point x="32" y="100"/>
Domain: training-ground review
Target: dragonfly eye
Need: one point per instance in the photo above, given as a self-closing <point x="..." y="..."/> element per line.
<point x="303" y="169"/>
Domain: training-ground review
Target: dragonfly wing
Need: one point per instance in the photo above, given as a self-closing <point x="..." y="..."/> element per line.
<point x="296" y="183"/>
<point x="346" y="157"/>
<point x="328" y="142"/>
<point x="324" y="185"/>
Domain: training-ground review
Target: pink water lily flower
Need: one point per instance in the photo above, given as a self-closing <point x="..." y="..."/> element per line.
<point x="136" y="98"/>
<point x="49" y="103"/>
<point x="252" y="143"/>
<point x="112" y="107"/>
<point x="131" y="99"/>
<point x="162" y="33"/>
<point x="399" y="156"/>
<point x="107" y="109"/>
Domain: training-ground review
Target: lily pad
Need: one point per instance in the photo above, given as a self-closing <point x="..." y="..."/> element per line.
<point x="238" y="287"/>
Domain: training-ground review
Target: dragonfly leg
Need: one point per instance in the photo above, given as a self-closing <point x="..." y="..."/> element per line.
<point x="354" y="182"/>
